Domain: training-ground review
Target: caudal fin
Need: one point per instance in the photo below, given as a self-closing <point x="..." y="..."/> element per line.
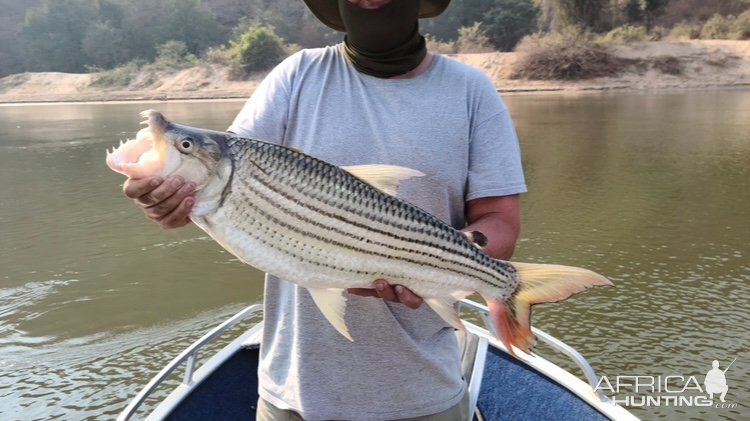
<point x="537" y="284"/>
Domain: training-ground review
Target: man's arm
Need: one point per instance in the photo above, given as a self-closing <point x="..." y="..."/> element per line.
<point x="499" y="219"/>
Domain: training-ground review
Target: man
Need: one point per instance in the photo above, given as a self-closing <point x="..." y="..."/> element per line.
<point x="377" y="98"/>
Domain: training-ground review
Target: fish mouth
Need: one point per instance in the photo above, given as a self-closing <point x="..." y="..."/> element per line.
<point x="146" y="155"/>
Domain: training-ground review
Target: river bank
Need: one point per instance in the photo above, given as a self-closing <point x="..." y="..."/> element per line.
<point x="696" y="64"/>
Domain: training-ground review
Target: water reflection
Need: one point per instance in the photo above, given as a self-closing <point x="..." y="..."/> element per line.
<point x="652" y="191"/>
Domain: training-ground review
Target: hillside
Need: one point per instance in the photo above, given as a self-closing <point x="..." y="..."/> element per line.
<point x="657" y="65"/>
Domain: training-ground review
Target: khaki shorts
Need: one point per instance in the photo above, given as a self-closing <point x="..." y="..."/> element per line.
<point x="458" y="412"/>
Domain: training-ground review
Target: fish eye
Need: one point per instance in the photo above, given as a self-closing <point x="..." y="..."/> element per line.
<point x="185" y="145"/>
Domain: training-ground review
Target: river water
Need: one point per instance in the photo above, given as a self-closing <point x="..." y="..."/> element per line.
<point x="651" y="190"/>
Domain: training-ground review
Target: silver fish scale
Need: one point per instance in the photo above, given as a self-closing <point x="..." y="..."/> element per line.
<point x="303" y="219"/>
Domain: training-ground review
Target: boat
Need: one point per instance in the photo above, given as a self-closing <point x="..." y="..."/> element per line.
<point x="501" y="387"/>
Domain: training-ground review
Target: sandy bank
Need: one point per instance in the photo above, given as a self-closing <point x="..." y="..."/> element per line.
<point x="663" y="65"/>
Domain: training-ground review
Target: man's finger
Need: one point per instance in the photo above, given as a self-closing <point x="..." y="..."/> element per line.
<point x="135" y="188"/>
<point x="407" y="298"/>
<point x="364" y="292"/>
<point x="170" y="204"/>
<point x="384" y="290"/>
<point x="180" y="216"/>
<point x="161" y="193"/>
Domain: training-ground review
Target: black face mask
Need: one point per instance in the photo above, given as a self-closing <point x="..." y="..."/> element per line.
<point x="383" y="42"/>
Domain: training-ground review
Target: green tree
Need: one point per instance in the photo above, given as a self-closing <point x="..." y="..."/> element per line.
<point x="293" y="21"/>
<point x="12" y="50"/>
<point x="458" y="15"/>
<point x="259" y="48"/>
<point x="53" y="35"/>
<point x="650" y="9"/>
<point x="174" y="55"/>
<point x="584" y="13"/>
<point x="509" y="21"/>
<point x="149" y="23"/>
<point x="104" y="45"/>
<point x="699" y="11"/>
<point x="633" y="11"/>
<point x="110" y="11"/>
<point x="191" y="22"/>
<point x="231" y="13"/>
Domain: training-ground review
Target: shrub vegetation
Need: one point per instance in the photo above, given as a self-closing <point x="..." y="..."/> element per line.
<point x="173" y="55"/>
<point x="472" y="39"/>
<point x="440" y="47"/>
<point x="119" y="77"/>
<point x="258" y="49"/>
<point x="624" y="34"/>
<point x="718" y="27"/>
<point x="684" y="31"/>
<point x="569" y="55"/>
<point x="509" y="21"/>
<point x="741" y="26"/>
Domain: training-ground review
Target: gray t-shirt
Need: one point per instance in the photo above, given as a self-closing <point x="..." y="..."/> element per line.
<point x="448" y="123"/>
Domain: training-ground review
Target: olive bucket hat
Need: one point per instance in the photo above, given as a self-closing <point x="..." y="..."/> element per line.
<point x="327" y="11"/>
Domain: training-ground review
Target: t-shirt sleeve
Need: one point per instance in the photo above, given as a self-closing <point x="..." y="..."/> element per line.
<point x="265" y="114"/>
<point x="494" y="154"/>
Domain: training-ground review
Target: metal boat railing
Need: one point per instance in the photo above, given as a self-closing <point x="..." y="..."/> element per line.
<point x="548" y="339"/>
<point x="188" y="356"/>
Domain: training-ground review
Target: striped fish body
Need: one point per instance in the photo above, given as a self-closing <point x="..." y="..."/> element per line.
<point x="329" y="228"/>
<point x="320" y="226"/>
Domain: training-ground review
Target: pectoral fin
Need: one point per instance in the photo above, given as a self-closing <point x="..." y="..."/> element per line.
<point x="332" y="303"/>
<point x="385" y="178"/>
<point x="443" y="306"/>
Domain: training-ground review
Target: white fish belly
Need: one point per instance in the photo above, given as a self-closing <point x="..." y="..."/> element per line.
<point x="313" y="261"/>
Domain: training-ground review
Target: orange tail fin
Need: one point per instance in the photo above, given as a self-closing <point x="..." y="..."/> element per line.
<point x="537" y="284"/>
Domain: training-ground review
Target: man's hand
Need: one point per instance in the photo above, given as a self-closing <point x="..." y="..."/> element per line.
<point x="166" y="202"/>
<point x="396" y="293"/>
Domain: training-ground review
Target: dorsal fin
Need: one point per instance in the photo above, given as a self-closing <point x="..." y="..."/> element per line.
<point x="298" y="150"/>
<point x="385" y="178"/>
